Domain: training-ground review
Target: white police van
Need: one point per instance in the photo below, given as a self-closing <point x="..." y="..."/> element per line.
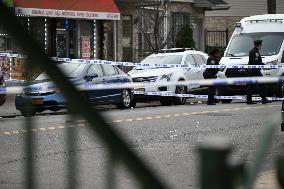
<point x="270" y="29"/>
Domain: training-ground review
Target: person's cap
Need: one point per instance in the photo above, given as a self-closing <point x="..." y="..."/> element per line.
<point x="258" y="42"/>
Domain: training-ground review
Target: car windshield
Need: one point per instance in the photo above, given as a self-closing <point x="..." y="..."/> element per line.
<point x="71" y="71"/>
<point x="241" y="44"/>
<point x="152" y="60"/>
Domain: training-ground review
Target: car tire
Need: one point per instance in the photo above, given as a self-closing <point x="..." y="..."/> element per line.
<point x="279" y="90"/>
<point x="166" y="102"/>
<point x="226" y="101"/>
<point x="2" y="99"/>
<point x="125" y="100"/>
<point x="180" y="100"/>
<point x="28" y="113"/>
<point x="220" y="92"/>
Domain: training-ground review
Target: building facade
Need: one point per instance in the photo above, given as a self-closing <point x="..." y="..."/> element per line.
<point x="226" y="19"/>
<point x="65" y="28"/>
<point x="109" y="29"/>
<point x="148" y="25"/>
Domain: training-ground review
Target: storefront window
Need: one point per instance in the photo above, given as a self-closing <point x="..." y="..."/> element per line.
<point x="86" y="39"/>
<point x="66" y="38"/>
<point x="36" y="29"/>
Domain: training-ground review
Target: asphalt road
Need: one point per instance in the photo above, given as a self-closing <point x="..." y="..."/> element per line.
<point x="166" y="138"/>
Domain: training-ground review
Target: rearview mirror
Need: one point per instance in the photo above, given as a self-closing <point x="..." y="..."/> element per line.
<point x="90" y="77"/>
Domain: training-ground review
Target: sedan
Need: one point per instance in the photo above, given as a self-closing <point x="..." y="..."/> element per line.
<point x="43" y="95"/>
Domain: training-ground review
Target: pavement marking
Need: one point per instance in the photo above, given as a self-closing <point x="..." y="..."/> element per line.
<point x="42" y="129"/>
<point x="80" y="124"/>
<point x="139" y="119"/>
<point x="117" y="121"/>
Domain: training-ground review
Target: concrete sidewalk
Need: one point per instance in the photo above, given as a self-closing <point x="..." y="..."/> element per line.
<point x="267" y="180"/>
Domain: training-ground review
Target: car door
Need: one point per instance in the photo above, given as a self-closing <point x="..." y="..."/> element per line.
<point x="112" y="77"/>
<point x="95" y="96"/>
<point x="200" y="61"/>
<point x="195" y="72"/>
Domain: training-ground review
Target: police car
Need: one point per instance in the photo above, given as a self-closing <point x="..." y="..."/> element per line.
<point x="189" y="59"/>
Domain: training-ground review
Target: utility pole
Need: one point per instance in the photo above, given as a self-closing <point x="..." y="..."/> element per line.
<point x="271" y="6"/>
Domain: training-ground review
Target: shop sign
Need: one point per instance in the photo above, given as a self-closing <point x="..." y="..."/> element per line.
<point x="67" y="14"/>
<point x="86" y="47"/>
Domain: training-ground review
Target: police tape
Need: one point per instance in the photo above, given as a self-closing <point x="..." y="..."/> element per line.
<point x="171" y="94"/>
<point x="134" y="85"/>
<point x="11" y="55"/>
<point x="19" y="90"/>
<point x="147" y="65"/>
<point x="130" y="64"/>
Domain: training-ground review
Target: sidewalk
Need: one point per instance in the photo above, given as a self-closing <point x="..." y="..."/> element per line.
<point x="267" y="180"/>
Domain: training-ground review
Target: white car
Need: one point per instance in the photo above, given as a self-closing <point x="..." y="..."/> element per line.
<point x="161" y="75"/>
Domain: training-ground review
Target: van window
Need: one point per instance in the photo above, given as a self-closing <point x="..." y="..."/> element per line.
<point x="241" y="44"/>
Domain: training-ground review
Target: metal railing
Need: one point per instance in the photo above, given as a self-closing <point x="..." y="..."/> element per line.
<point x="213" y="155"/>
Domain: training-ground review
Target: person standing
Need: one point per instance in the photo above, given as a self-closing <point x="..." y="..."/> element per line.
<point x="211" y="73"/>
<point x="255" y="59"/>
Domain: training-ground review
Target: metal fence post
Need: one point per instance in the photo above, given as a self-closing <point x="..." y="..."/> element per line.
<point x="214" y="168"/>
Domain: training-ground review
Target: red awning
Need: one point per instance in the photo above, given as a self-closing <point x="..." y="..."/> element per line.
<point x="85" y="9"/>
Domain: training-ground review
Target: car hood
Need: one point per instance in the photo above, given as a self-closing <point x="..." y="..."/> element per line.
<point x="151" y="72"/>
<point x="244" y="60"/>
<point x="46" y="86"/>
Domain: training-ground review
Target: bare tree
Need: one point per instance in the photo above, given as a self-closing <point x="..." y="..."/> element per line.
<point x="153" y="24"/>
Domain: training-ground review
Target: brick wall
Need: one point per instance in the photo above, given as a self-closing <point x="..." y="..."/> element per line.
<point x="222" y="23"/>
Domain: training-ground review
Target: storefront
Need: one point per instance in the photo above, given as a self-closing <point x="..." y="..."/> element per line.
<point x="67" y="28"/>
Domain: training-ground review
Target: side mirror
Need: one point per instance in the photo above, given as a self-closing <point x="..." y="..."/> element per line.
<point x="90" y="77"/>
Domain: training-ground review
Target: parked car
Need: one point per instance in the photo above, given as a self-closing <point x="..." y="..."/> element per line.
<point x="2" y="89"/>
<point x="43" y="95"/>
<point x="156" y="75"/>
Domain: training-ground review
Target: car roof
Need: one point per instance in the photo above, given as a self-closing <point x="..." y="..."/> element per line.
<point x="179" y="53"/>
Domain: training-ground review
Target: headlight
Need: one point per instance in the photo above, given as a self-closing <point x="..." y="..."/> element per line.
<point x="222" y="67"/>
<point x="274" y="62"/>
<point x="166" y="76"/>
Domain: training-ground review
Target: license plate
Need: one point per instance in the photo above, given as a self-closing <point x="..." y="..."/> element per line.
<point x="140" y="90"/>
<point x="37" y="101"/>
<point x="241" y="84"/>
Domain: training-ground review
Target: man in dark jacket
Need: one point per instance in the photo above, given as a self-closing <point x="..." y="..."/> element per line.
<point x="211" y="73"/>
<point x="255" y="59"/>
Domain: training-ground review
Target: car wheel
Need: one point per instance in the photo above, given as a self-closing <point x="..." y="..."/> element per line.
<point x="125" y="101"/>
<point x="166" y="102"/>
<point x="180" y="100"/>
<point x="226" y="101"/>
<point x="2" y="99"/>
<point x="220" y="92"/>
<point x="279" y="92"/>
<point x="28" y="113"/>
